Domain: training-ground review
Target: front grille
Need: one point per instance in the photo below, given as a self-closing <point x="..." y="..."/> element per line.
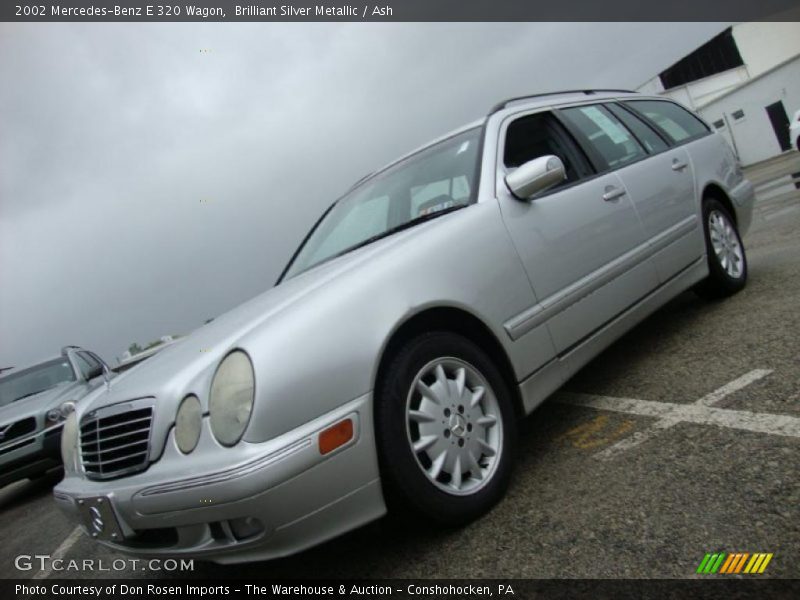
<point x="16" y="430"/>
<point x="116" y="443"/>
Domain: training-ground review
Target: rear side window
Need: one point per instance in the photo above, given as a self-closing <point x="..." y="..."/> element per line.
<point x="643" y="132"/>
<point x="675" y="122"/>
<point x="612" y="144"/>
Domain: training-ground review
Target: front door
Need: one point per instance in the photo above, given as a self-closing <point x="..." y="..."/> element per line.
<point x="578" y="242"/>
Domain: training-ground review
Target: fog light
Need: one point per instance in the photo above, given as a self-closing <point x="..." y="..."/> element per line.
<point x="245" y="527"/>
<point x="335" y="436"/>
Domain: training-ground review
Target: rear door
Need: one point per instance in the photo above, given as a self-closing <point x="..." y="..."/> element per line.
<point x="578" y="242"/>
<point x="663" y="187"/>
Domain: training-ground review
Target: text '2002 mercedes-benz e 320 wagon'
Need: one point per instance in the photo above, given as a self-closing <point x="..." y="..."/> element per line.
<point x="433" y="304"/>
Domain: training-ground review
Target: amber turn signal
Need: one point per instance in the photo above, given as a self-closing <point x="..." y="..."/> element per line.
<point x="335" y="436"/>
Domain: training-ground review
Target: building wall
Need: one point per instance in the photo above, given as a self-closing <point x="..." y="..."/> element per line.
<point x="699" y="93"/>
<point x="766" y="44"/>
<point x="753" y="136"/>
<point x="762" y="46"/>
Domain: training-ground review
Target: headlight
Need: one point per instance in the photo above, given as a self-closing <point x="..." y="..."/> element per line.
<point x="69" y="444"/>
<point x="187" y="424"/>
<point x="231" y="398"/>
<point x="54" y="415"/>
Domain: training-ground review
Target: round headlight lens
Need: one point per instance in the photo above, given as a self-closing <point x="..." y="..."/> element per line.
<point x="54" y="415"/>
<point x="69" y="444"/>
<point x="231" y="398"/>
<point x="187" y="424"/>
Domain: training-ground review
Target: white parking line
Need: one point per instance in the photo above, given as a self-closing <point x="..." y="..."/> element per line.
<point x="701" y="412"/>
<point x="781" y="213"/>
<point x="733" y="386"/>
<point x="68" y="543"/>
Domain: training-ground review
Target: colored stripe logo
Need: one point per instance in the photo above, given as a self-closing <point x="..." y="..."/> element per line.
<point x="735" y="562"/>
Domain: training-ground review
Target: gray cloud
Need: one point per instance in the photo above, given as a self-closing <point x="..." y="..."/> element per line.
<point x="155" y="175"/>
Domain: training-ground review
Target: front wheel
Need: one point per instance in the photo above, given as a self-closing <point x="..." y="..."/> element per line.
<point x="727" y="262"/>
<point x="445" y="429"/>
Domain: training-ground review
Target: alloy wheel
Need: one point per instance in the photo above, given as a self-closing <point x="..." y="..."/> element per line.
<point x="454" y="426"/>
<point x="726" y="244"/>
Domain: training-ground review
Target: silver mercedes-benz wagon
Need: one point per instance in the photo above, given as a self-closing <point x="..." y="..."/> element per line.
<point x="434" y="304"/>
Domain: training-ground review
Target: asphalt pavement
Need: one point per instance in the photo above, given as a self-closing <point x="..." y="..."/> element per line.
<point x="681" y="439"/>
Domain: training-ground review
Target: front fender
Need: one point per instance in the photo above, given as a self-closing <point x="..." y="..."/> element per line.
<point x="324" y="350"/>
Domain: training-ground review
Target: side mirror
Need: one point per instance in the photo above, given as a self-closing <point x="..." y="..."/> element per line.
<point x="94" y="372"/>
<point x="536" y="176"/>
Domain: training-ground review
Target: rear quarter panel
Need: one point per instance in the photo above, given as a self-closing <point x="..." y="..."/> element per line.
<point x="715" y="164"/>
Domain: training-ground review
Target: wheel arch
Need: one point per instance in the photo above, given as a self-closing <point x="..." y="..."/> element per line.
<point x="458" y="321"/>
<point x="714" y="190"/>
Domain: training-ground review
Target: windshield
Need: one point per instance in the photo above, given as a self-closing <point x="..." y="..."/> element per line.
<point x="33" y="380"/>
<point x="441" y="177"/>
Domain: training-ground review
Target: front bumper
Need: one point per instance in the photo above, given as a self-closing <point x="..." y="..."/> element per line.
<point x="30" y="455"/>
<point x="249" y="502"/>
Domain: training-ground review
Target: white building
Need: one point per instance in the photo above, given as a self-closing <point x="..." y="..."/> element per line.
<point x="745" y="81"/>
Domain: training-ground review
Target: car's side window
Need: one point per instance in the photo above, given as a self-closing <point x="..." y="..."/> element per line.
<point x="85" y="363"/>
<point x="612" y="143"/>
<point x="675" y="122"/>
<point x="541" y="134"/>
<point x="646" y="135"/>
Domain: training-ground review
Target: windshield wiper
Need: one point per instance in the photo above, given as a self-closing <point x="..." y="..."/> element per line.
<point x="397" y="228"/>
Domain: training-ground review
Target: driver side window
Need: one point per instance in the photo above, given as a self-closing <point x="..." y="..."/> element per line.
<point x="540" y="134"/>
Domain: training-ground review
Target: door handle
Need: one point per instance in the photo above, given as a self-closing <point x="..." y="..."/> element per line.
<point x="612" y="193"/>
<point x="678" y="165"/>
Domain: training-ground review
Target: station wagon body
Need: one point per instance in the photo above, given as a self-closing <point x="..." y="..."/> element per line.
<point x="439" y="300"/>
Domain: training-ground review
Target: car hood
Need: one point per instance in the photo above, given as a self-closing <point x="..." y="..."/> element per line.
<point x="167" y="375"/>
<point x="39" y="404"/>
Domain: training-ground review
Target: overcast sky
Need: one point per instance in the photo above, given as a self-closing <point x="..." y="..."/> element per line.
<point x="155" y="175"/>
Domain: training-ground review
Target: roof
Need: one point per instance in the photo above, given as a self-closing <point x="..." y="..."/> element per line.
<point x="546" y="97"/>
<point x="532" y="100"/>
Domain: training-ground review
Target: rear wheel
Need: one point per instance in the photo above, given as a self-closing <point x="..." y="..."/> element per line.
<point x="446" y="429"/>
<point x="727" y="262"/>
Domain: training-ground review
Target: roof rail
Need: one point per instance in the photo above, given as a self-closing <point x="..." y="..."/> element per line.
<point x="504" y="103"/>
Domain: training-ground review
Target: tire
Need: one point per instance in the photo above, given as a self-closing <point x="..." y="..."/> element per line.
<point x="439" y="481"/>
<point x="727" y="261"/>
